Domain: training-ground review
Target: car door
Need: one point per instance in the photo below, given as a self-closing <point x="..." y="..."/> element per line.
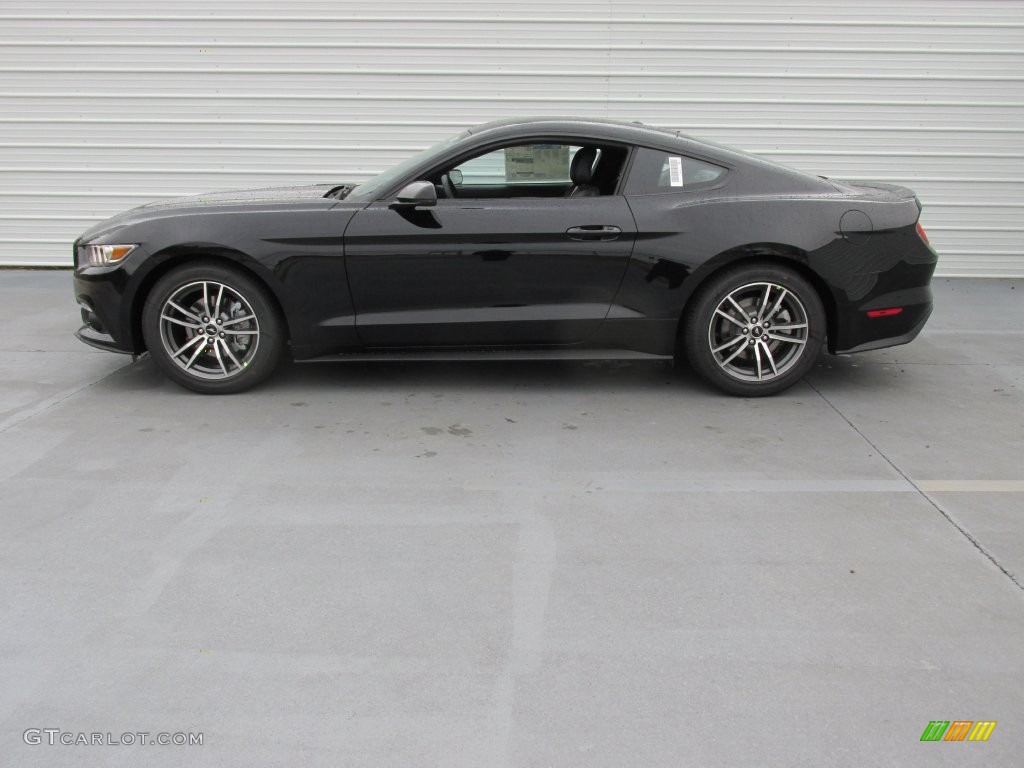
<point x="487" y="271"/>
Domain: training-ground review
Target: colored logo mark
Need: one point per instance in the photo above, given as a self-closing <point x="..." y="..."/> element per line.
<point x="958" y="730"/>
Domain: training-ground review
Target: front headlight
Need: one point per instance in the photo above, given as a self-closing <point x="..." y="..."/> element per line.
<point x="102" y="255"/>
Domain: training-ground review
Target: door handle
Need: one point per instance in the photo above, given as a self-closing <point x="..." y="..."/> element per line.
<point x="493" y="255"/>
<point x="602" y="232"/>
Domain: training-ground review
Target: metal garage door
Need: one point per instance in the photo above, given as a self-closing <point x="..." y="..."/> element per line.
<point x="106" y="103"/>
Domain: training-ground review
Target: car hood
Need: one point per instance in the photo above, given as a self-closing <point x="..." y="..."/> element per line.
<point x="242" y="196"/>
<point x="236" y="199"/>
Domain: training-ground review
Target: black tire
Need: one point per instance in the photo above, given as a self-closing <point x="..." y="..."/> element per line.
<point x="743" y="357"/>
<point x="237" y="346"/>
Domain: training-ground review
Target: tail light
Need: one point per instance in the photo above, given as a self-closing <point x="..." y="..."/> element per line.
<point x="922" y="234"/>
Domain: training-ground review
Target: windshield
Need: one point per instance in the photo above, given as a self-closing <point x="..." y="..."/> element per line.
<point x="369" y="190"/>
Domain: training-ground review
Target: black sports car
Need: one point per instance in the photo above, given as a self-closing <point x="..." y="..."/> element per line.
<point x="520" y="238"/>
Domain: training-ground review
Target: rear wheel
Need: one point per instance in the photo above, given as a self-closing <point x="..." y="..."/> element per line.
<point x="754" y="330"/>
<point x="212" y="328"/>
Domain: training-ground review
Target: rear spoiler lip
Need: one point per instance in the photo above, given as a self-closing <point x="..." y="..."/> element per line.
<point x="875" y="189"/>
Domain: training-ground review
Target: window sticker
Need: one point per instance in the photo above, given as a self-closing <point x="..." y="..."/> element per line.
<point x="537" y="162"/>
<point x="675" y="171"/>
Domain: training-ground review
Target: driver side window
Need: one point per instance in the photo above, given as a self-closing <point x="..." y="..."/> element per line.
<point x="536" y="169"/>
<point x="523" y="164"/>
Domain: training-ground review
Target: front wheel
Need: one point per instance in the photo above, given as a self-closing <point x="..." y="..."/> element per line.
<point x="754" y="330"/>
<point x="212" y="329"/>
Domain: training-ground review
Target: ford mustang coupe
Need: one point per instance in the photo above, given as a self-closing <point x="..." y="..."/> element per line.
<point x="525" y="239"/>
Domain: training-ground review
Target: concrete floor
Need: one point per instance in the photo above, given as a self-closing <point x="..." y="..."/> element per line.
<point x="514" y="564"/>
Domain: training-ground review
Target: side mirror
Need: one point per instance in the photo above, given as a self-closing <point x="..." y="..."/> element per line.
<point x="456" y="176"/>
<point x="417" y="193"/>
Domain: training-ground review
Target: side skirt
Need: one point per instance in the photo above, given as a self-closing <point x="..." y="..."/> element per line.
<point x="487" y="354"/>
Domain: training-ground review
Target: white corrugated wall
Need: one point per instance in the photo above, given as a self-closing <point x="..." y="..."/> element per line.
<point x="107" y="103"/>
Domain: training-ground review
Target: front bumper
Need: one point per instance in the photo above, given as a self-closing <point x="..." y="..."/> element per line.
<point x="104" y="341"/>
<point x="105" y="321"/>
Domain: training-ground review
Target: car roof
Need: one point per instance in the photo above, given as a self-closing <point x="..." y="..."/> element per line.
<point x="571" y="122"/>
<point x="626" y="131"/>
<point x="612" y="129"/>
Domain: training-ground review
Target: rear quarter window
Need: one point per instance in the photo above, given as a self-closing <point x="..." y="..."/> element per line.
<point x="655" y="171"/>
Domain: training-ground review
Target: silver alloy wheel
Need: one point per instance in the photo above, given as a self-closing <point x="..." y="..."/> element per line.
<point x="209" y="330"/>
<point x="758" y="332"/>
